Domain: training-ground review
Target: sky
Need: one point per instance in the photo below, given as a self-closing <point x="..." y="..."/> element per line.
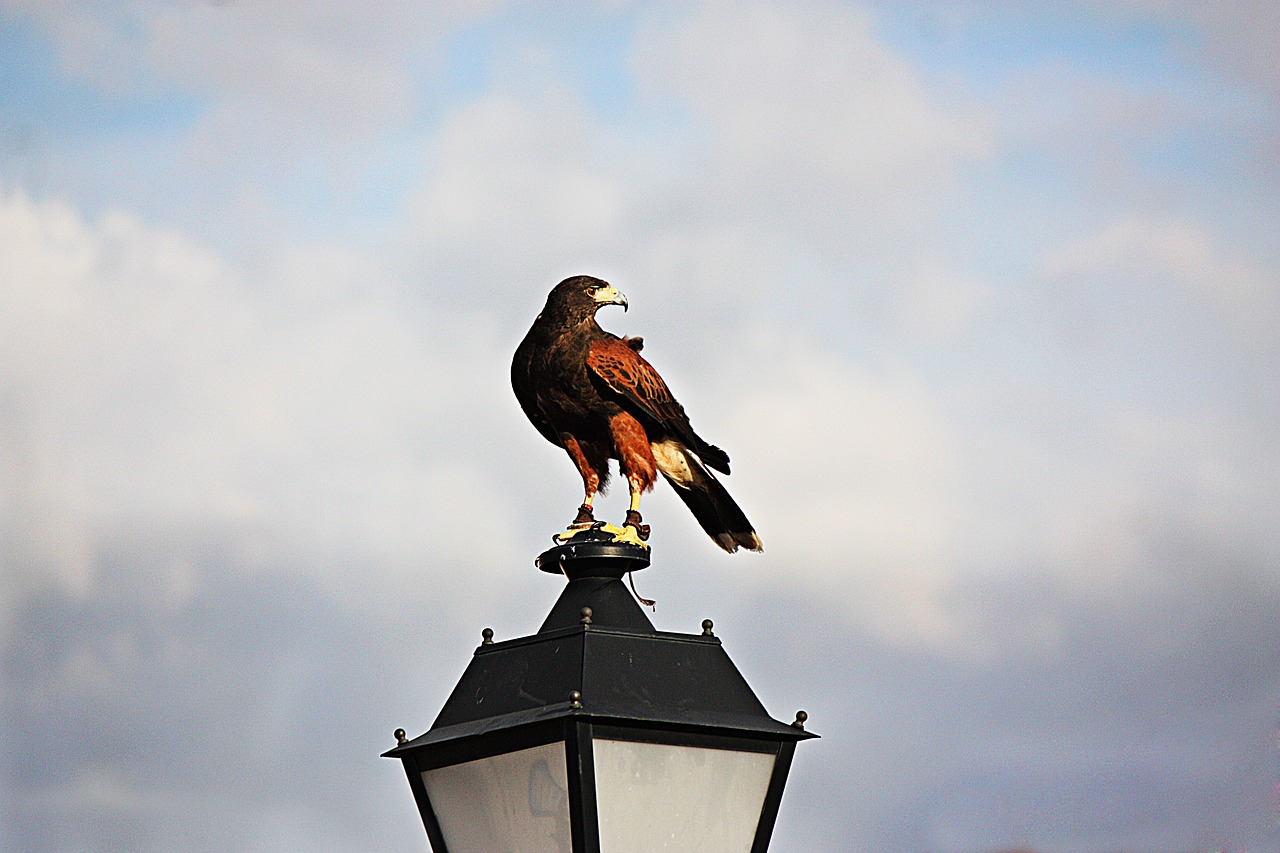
<point x="980" y="297"/>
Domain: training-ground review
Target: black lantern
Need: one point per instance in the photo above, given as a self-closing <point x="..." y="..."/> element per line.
<point x="600" y="734"/>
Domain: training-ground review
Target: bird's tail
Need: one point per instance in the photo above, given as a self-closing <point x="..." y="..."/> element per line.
<point x="709" y="501"/>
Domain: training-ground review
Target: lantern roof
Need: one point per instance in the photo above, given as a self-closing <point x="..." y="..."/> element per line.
<point x="597" y="655"/>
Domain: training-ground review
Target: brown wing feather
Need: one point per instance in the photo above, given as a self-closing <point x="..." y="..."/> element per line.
<point x="616" y="362"/>
<point x="626" y="372"/>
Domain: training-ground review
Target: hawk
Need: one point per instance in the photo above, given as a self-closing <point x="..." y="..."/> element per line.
<point x="593" y="394"/>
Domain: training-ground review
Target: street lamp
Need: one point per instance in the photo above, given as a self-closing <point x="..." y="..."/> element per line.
<point x="600" y="734"/>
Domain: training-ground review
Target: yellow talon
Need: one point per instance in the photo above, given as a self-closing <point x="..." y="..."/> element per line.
<point x="575" y="530"/>
<point x="627" y="535"/>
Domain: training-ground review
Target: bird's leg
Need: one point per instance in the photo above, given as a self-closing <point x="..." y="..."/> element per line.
<point x="633" y="516"/>
<point x="590" y="483"/>
<point x="635" y="457"/>
<point x="585" y="517"/>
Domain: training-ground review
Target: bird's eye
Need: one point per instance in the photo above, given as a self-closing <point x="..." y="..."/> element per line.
<point x="592" y="288"/>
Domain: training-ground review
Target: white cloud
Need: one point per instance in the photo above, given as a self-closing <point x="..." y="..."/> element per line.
<point x="149" y="387"/>
<point x="895" y="491"/>
<point x="300" y="467"/>
<point x="523" y="177"/>
<point x="1181" y="255"/>
<point x="808" y="114"/>
<point x="1166" y="296"/>
<point x="334" y="67"/>
<point x="1243" y="35"/>
<point x="851" y="483"/>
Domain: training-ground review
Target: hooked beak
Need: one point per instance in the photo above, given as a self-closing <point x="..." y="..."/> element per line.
<point x="609" y="295"/>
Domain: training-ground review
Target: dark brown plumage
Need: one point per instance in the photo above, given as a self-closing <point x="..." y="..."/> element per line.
<point x="592" y="393"/>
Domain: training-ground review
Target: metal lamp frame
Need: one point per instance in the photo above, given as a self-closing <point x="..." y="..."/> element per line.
<point x="597" y="669"/>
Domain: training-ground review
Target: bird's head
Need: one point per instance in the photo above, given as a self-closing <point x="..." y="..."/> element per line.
<point x="581" y="296"/>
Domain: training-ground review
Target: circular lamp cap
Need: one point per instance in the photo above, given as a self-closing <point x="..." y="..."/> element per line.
<point x="593" y="559"/>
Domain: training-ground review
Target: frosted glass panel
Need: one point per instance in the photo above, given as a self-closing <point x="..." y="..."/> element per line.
<point x="654" y="797"/>
<point x="513" y="803"/>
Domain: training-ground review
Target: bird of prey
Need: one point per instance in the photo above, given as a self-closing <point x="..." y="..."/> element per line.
<point x="592" y="393"/>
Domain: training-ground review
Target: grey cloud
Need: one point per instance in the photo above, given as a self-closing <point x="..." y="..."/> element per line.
<point x="268" y="497"/>
<point x="196" y="726"/>
<point x="337" y="68"/>
<point x="1148" y="728"/>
